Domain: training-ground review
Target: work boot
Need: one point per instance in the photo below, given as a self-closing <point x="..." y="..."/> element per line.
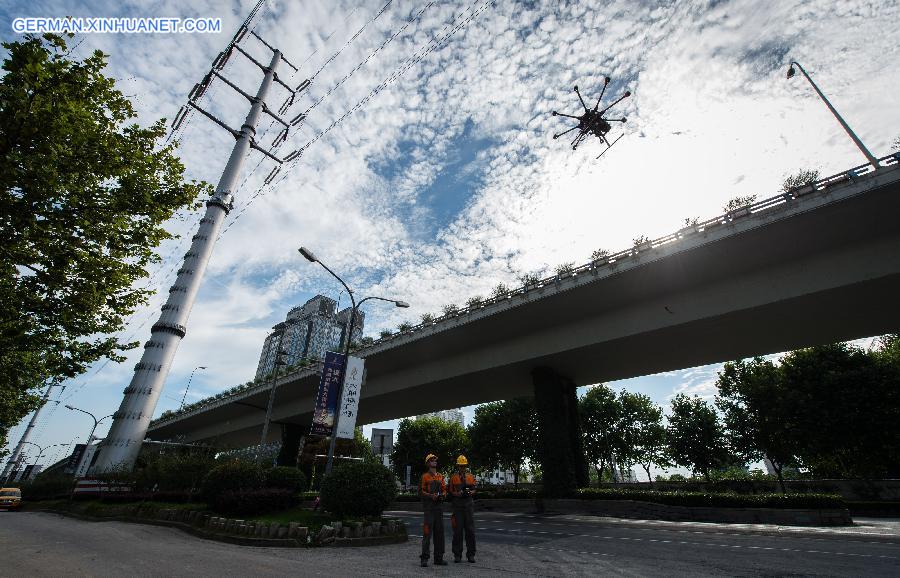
<point x="440" y="562"/>
<point x="457" y="559"/>
<point x="471" y="559"/>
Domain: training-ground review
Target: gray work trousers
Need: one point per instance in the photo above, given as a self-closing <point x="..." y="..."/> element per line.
<point x="433" y="526"/>
<point x="463" y="522"/>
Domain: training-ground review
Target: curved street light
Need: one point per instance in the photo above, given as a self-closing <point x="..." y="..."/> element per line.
<point x="183" y="397"/>
<point x="96" y="421"/>
<point x="310" y="256"/>
<point x="41" y="452"/>
<point x="869" y="156"/>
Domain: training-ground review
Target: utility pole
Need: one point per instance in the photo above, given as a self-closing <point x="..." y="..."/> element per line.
<point x="279" y="361"/>
<point x="15" y="457"/>
<point x="131" y="421"/>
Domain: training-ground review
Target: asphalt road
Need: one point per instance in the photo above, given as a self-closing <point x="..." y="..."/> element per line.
<point x="38" y="544"/>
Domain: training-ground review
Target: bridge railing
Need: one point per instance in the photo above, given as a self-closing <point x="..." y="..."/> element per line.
<point x="888" y="163"/>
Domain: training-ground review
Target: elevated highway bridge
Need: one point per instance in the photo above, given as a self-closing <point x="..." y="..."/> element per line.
<point x="817" y="265"/>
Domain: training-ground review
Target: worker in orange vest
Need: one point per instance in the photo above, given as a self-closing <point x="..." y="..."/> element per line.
<point x="462" y="488"/>
<point x="432" y="491"/>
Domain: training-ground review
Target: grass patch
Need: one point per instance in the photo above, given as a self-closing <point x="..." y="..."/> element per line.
<point x="310" y="519"/>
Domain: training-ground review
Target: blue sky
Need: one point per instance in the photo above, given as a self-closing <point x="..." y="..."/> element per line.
<point x="447" y="182"/>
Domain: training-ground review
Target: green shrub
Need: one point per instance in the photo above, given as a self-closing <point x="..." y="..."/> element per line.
<point x="250" y="502"/>
<point x="174" y="471"/>
<point x="723" y="500"/>
<point x="286" y="478"/>
<point x="232" y="476"/>
<point x="47" y="488"/>
<point x="358" y="489"/>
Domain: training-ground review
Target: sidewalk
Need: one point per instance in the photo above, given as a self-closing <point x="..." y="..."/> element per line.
<point x="886" y="530"/>
<point x="863" y="529"/>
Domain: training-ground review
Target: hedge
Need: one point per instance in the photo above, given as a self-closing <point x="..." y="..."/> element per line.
<point x="717" y="500"/>
<point x="358" y="489"/>
<point x="252" y="502"/>
<point x="286" y="478"/>
<point x="232" y="476"/>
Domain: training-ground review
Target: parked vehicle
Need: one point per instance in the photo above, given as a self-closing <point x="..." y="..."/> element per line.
<point x="10" y="499"/>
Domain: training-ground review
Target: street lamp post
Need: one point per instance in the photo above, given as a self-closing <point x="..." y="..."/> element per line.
<point x="96" y="421"/>
<point x="355" y="307"/>
<point x="279" y="360"/>
<point x="183" y="397"/>
<point x="41" y="452"/>
<point x="869" y="156"/>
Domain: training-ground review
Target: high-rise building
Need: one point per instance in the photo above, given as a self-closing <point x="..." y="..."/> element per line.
<point x="308" y="331"/>
<point x="448" y="415"/>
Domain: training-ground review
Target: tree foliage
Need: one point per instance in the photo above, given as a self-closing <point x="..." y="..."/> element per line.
<point x="85" y="194"/>
<point x="504" y="435"/>
<point x="643" y="433"/>
<point x="600" y="413"/>
<point x="847" y="410"/>
<point x="427" y="435"/>
<point x="759" y="413"/>
<point x="696" y="435"/>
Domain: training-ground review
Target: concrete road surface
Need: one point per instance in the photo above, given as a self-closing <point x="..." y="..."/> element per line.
<point x="39" y="544"/>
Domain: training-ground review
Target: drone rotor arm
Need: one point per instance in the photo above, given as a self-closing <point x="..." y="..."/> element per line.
<point x="620" y="99"/>
<point x="605" y="84"/>
<point x="567" y="115"/>
<point x="556" y="136"/>
<point x="581" y="99"/>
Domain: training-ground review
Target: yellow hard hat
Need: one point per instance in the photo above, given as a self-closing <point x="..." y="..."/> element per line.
<point x="462" y="461"/>
<point x="430" y="457"/>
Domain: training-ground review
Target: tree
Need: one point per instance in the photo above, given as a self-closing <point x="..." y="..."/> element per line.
<point x="759" y="413"/>
<point x="800" y="179"/>
<point x="600" y="413"/>
<point x="643" y="433"/>
<point x="427" y="435"/>
<point x="85" y="195"/>
<point x="695" y="435"/>
<point x="504" y="435"/>
<point x="847" y="404"/>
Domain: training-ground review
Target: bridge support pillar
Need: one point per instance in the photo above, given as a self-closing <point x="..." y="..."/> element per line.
<point x="560" y="449"/>
<point x="291" y="442"/>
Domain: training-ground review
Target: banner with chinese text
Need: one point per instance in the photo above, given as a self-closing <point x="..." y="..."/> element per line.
<point x="326" y="400"/>
<point x="350" y="398"/>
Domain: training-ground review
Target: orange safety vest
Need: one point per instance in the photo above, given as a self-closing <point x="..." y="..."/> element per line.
<point x="456" y="482"/>
<point x="432" y="484"/>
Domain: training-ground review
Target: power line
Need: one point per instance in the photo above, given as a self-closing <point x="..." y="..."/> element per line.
<point x="430" y="47"/>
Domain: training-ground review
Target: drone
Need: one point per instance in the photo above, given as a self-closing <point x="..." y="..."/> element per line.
<point x="592" y="122"/>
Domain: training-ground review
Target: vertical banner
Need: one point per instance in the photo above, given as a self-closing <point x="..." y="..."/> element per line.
<point x="350" y="398"/>
<point x="86" y="458"/>
<point x="326" y="400"/>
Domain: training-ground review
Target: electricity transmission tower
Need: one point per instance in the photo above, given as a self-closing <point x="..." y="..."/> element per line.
<point x="123" y="443"/>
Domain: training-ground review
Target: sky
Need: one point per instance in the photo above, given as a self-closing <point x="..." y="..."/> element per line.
<point x="447" y="181"/>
